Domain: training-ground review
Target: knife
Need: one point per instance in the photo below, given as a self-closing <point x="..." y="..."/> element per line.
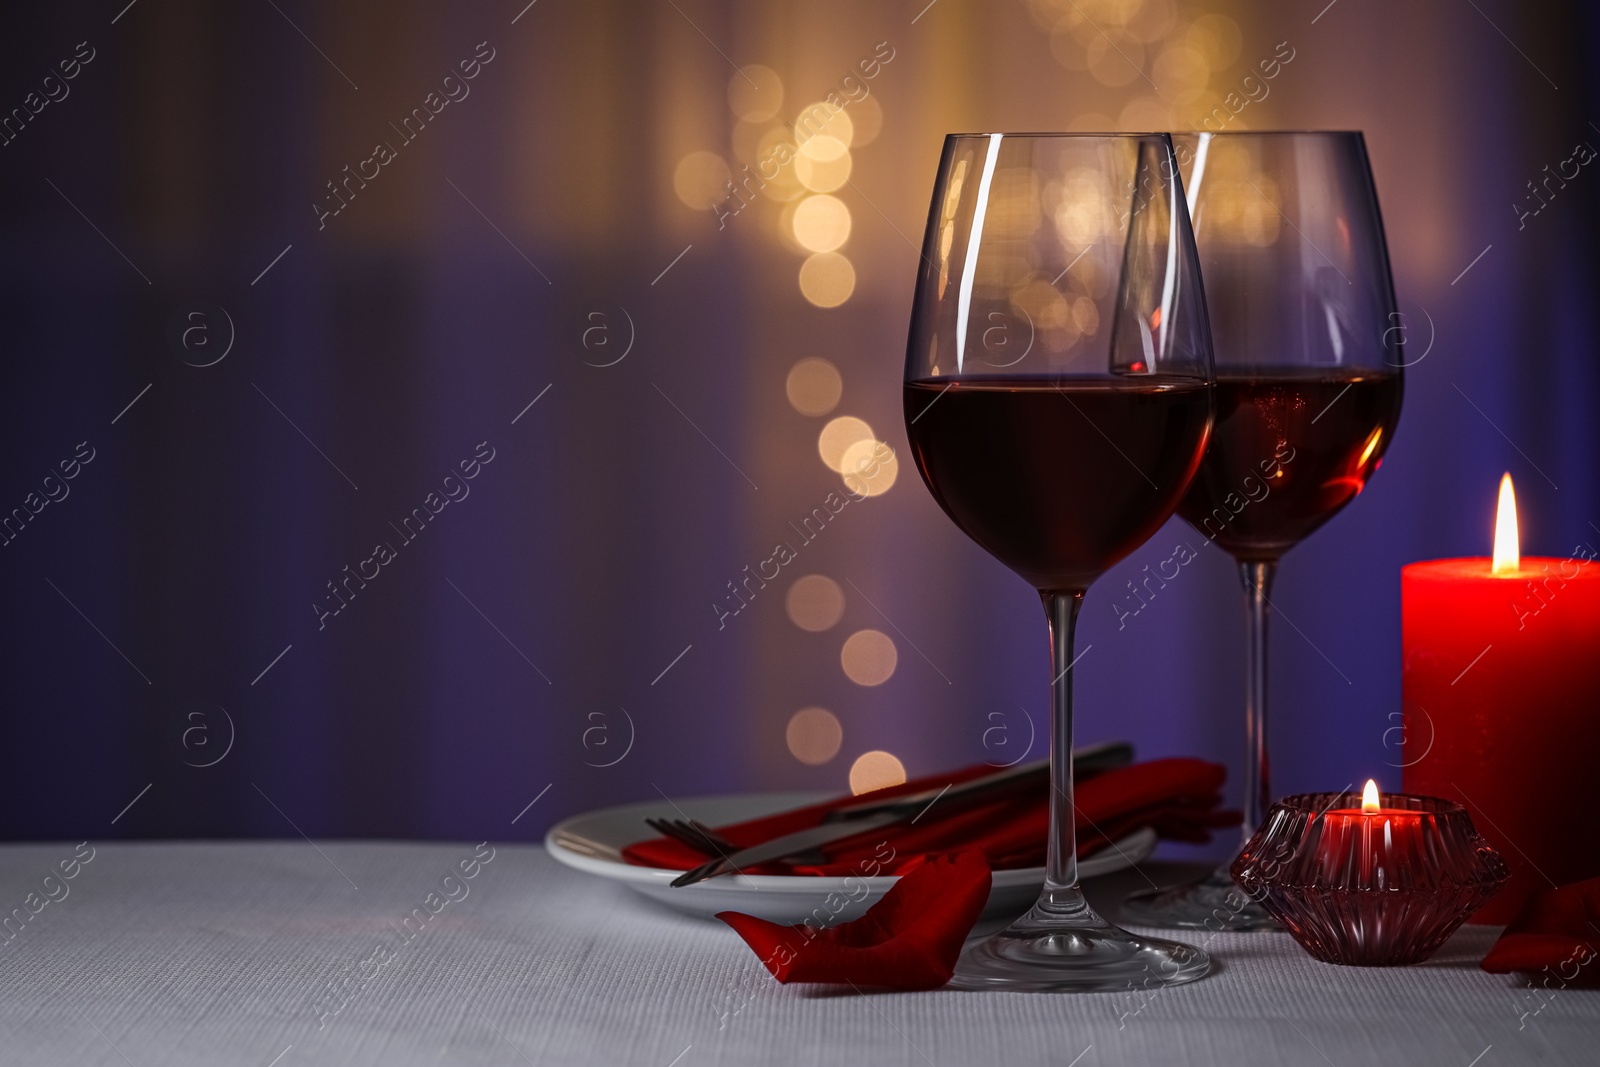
<point x="872" y="815"/>
<point x="787" y="845"/>
<point x="1085" y="761"/>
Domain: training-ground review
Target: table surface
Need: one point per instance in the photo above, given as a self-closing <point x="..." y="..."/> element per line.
<point x="274" y="954"/>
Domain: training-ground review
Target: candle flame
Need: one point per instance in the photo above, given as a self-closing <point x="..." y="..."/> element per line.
<point x="1507" y="550"/>
<point x="1369" y="798"/>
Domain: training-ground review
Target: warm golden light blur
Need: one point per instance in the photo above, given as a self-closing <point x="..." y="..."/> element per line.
<point x="814" y="735"/>
<point x="1369" y="798"/>
<point x="746" y="140"/>
<point x="755" y="93"/>
<point x="821" y="223"/>
<point x="1112" y="39"/>
<point x="867" y="122"/>
<point x="824" y="147"/>
<point x="777" y="143"/>
<point x="1180" y="74"/>
<point x="1115" y="62"/>
<point x="875" y="770"/>
<point x="701" y="179"/>
<point x="947" y="224"/>
<point x="815" y="602"/>
<point x="1144" y="113"/>
<point x="1083" y="211"/>
<point x="869" y="657"/>
<point x="824" y="120"/>
<point x="1065" y="47"/>
<point x="1240" y="204"/>
<point x="1041" y="302"/>
<point x="1153" y="20"/>
<point x="1507" y="544"/>
<point x="1088" y="122"/>
<point x="827" y="279"/>
<point x="1216" y="38"/>
<point x="1013" y="203"/>
<point x="870" y="468"/>
<point x="1085" y="315"/>
<point x="813" y="386"/>
<point x="823" y="164"/>
<point x="837" y="438"/>
<point x="1049" y="313"/>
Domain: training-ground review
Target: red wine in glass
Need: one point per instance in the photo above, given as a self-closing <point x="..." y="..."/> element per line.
<point x="1288" y="451"/>
<point x="1058" y="479"/>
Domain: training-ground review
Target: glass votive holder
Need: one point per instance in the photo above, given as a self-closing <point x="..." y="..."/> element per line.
<point x="1369" y="888"/>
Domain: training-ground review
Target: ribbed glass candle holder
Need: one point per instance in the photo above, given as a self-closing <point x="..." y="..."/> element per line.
<point x="1369" y="889"/>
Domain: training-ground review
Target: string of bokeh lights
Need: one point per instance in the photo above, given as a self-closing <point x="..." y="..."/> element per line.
<point x="1136" y="45"/>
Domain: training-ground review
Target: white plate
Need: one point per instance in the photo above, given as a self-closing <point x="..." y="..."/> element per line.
<point x="593" y="843"/>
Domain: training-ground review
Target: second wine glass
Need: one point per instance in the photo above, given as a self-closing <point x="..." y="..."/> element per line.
<point x="1307" y="345"/>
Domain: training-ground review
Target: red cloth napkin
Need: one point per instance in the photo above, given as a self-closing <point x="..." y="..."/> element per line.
<point x="1558" y="931"/>
<point x="908" y="940"/>
<point x="1178" y="797"/>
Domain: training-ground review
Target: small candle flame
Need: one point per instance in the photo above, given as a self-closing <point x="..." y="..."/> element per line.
<point x="1507" y="550"/>
<point x="1369" y="798"/>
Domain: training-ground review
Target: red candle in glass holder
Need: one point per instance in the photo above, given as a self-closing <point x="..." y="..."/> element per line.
<point x="1370" y="886"/>
<point x="1364" y="836"/>
<point x="1501" y="682"/>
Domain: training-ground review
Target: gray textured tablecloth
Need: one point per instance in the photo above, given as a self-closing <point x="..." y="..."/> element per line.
<point x="288" y="953"/>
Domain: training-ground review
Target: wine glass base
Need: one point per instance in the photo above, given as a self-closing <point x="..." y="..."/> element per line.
<point x="1045" y="953"/>
<point x="1214" y="903"/>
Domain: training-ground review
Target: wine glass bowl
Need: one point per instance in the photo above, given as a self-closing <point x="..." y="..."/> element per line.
<point x="1015" y="463"/>
<point x="1309" y="387"/>
<point x="1290" y="449"/>
<point x="1058" y="314"/>
<point x="1058" y="400"/>
<point x="1304" y="331"/>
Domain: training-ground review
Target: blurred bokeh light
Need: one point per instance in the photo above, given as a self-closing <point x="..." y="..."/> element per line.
<point x="875" y="770"/>
<point x="814" y="736"/>
<point x="814" y="386"/>
<point x="815" y="602"/>
<point x="869" y="657"/>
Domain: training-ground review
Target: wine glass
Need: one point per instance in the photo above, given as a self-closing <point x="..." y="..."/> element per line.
<point x="1308" y="393"/>
<point x="1057" y="401"/>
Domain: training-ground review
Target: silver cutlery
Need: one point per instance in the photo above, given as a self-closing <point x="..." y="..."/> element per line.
<point x="786" y="845"/>
<point x="697" y="835"/>
<point x="870" y="815"/>
<point x="1084" y="761"/>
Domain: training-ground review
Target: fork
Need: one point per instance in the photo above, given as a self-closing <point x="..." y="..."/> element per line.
<point x="697" y="835"/>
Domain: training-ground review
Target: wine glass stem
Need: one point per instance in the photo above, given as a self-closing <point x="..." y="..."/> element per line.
<point x="1061" y="864"/>
<point x="1257" y="577"/>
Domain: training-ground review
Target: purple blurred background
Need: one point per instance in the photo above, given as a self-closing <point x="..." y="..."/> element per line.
<point x="166" y="612"/>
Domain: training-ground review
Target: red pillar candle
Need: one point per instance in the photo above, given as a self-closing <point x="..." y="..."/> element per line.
<point x="1501" y="695"/>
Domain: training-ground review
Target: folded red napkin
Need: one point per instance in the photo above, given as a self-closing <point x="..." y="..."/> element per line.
<point x="908" y="940"/>
<point x="1558" y="931"/>
<point x="1178" y="797"/>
